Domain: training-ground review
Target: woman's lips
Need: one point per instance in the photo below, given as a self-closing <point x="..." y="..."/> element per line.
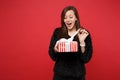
<point x="69" y="24"/>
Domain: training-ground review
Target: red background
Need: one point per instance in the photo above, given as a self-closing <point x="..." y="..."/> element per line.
<point x="26" y="27"/>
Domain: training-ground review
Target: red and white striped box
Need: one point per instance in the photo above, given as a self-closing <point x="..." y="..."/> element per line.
<point x="68" y="46"/>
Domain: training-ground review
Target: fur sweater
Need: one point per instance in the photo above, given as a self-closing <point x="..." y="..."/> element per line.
<point x="70" y="63"/>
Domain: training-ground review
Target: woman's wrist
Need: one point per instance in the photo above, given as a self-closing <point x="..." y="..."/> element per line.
<point x="82" y="44"/>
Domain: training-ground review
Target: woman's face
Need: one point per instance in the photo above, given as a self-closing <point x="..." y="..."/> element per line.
<point x="70" y="19"/>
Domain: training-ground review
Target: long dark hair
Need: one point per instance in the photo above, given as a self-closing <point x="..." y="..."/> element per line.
<point x="63" y="33"/>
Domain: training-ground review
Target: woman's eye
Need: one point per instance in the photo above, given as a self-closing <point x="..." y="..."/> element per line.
<point x="65" y="17"/>
<point x="71" y="17"/>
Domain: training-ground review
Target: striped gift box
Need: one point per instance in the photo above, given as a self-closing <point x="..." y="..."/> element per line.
<point x="68" y="46"/>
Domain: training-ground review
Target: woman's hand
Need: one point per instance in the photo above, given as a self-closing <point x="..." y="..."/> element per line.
<point x="82" y="35"/>
<point x="56" y="47"/>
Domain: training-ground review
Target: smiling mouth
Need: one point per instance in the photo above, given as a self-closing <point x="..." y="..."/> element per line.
<point x="69" y="24"/>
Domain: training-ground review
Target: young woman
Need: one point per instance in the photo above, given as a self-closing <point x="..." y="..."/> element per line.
<point x="70" y="65"/>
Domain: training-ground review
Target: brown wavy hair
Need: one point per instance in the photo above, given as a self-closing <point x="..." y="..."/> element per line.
<point x="63" y="33"/>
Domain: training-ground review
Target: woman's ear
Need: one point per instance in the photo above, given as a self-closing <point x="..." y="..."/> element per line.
<point x="75" y="19"/>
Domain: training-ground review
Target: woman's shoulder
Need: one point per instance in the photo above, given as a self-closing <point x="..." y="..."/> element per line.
<point x="56" y="30"/>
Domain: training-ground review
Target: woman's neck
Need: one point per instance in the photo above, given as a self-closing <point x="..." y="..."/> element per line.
<point x="71" y="32"/>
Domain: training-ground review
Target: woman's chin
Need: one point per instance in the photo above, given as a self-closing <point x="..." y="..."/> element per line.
<point x="70" y="28"/>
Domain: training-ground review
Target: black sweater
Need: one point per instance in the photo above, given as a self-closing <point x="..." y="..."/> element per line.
<point x="70" y="63"/>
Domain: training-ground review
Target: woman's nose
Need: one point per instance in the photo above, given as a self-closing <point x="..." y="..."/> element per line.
<point x="67" y="19"/>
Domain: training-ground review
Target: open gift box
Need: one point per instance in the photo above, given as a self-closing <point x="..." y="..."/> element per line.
<point x="68" y="45"/>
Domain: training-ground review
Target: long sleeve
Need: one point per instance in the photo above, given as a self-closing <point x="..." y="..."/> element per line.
<point x="51" y="51"/>
<point x="86" y="56"/>
<point x="70" y="63"/>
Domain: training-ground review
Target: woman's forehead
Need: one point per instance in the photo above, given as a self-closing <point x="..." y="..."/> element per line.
<point x="70" y="12"/>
